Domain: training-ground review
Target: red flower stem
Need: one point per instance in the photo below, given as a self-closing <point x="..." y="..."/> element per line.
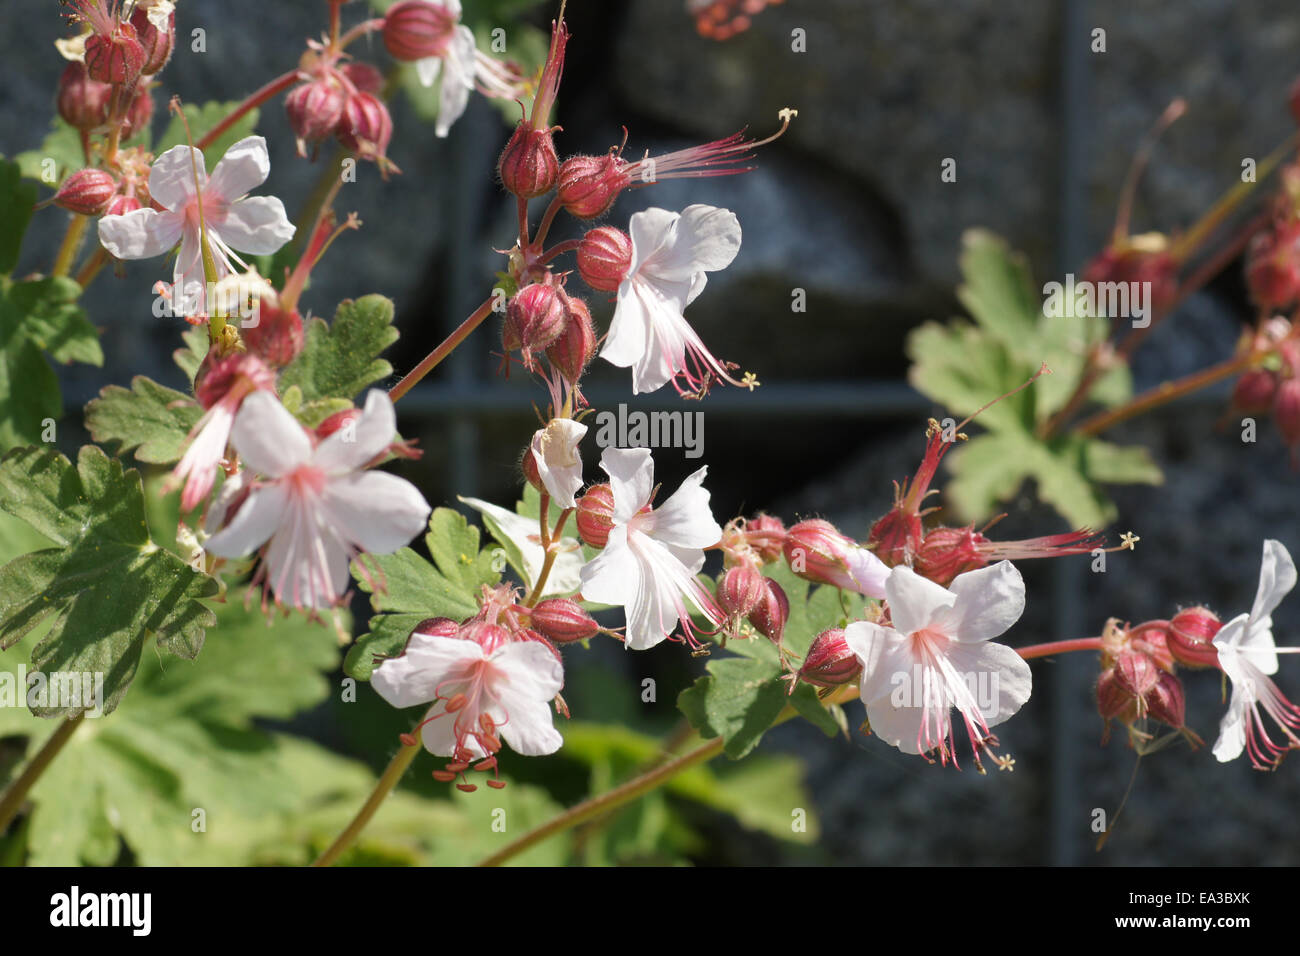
<point x="523" y="221"/>
<point x="547" y="218"/>
<point x="360" y="30"/>
<point x="1053" y="648"/>
<point x="278" y="85"/>
<point x="442" y="351"/>
<point x="559" y="249"/>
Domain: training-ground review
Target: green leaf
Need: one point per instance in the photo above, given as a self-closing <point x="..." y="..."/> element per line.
<point x="415" y="589"/>
<point x="54" y="321"/>
<point x="202" y="119"/>
<point x="63" y="145"/>
<point x="16" y="201"/>
<point x="107" y="587"/>
<point x="738" y="701"/>
<point x="340" y="359"/>
<point x="189" y="358"/>
<point x="153" y="420"/>
<point x="963" y="368"/>
<point x="999" y="291"/>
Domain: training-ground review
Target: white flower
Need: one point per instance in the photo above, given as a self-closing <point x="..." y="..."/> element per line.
<point x="559" y="465"/>
<point x="524" y="535"/>
<point x="671" y="252"/>
<point x="1247" y="654"/>
<point x="158" y="12"/>
<point x="938" y="654"/>
<point x="501" y="692"/>
<point x="651" y="560"/>
<point x="255" y="225"/>
<point x="457" y="64"/>
<point x="317" y="506"/>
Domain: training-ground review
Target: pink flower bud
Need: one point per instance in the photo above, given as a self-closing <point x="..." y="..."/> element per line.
<point x="772" y="612"/>
<point x="337" y="422"/>
<point x="1113" y="700"/>
<point x="563" y="621"/>
<point x="740" y="590"/>
<point x="766" y="534"/>
<point x="315" y="110"/>
<point x="157" y="44"/>
<point x="278" y="336"/>
<point x="1191" y="632"/>
<point x="604" y="258"/>
<point x="121" y="205"/>
<point x="817" y="552"/>
<point x="363" y="76"/>
<point x="528" y="634"/>
<point x="487" y="636"/>
<point x="115" y="58"/>
<point x="576" y="346"/>
<point x="1166" y="702"/>
<point x="588" y="185"/>
<point x="528" y="165"/>
<point x="595" y="515"/>
<point x="82" y="101"/>
<point x="535" y="318"/>
<point x="946" y="553"/>
<point x="416" y="30"/>
<point x="1152" y="639"/>
<point x="1286" y="411"/>
<point x="1273" y="267"/>
<point x="217" y="376"/>
<point x="830" y="662"/>
<point x="86" y="192"/>
<point x="897" y="539"/>
<point x="1293" y="99"/>
<point x="1136" y="672"/>
<point x="438" y="627"/>
<point x="529" y="466"/>
<point x="366" y="128"/>
<point x="1254" y="391"/>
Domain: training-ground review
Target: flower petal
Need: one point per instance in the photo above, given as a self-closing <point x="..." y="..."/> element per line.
<point x="428" y="69"/>
<point x="349" y="449"/>
<point x="528" y="670"/>
<point x="522" y="533"/>
<point x="559" y="463"/>
<point x="244" y="167"/>
<point x="428" y="660"/>
<point x="254" y="523"/>
<point x="998" y="679"/>
<point x="913" y="600"/>
<point x="457" y="79"/>
<point x="141" y="234"/>
<point x="268" y="438"/>
<point x="989" y="601"/>
<point x="528" y="729"/>
<point x="684" y="520"/>
<point x="171" y="178"/>
<point x="706" y="239"/>
<point x="257" y="225"/>
<point x="374" y="510"/>
<point x="631" y="476"/>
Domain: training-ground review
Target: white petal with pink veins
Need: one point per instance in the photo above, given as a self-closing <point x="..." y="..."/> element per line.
<point x="244" y="167"/>
<point x="268" y="438"/>
<point x="631" y="478"/>
<point x="913" y="600"/>
<point x="253" y="524"/>
<point x="377" y="511"/>
<point x="684" y="520"/>
<point x="427" y="661"/>
<point x="353" y="447"/>
<point x="140" y="234"/>
<point x="257" y="225"/>
<point x="171" y="177"/>
<point x="989" y="601"/>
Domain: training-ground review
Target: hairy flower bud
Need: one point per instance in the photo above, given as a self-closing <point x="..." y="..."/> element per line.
<point x="740" y="590"/>
<point x="528" y="165"/>
<point x="817" y="552"/>
<point x="86" y="192"/>
<point x="1190" y="636"/>
<point x="1273" y="267"/>
<point x="82" y="102"/>
<point x="315" y="110"/>
<point x="588" y="185"/>
<point x="416" y="30"/>
<point x="595" y="515"/>
<point x="157" y="44"/>
<point x="1113" y="700"/>
<point x="896" y="538"/>
<point x="765" y="534"/>
<point x="830" y="662"/>
<point x="576" y="345"/>
<point x="770" y="615"/>
<point x="363" y="76"/>
<point x="563" y="621"/>
<point x="1254" y="391"/>
<point x="438" y="627"/>
<point x="1166" y="702"/>
<point x="366" y="128"/>
<point x="535" y="318"/>
<point x="139" y="115"/>
<point x="604" y="258"/>
<point x="121" y="205"/>
<point x="115" y="58"/>
<point x="945" y="553"/>
<point x="278" y="335"/>
<point x="1136" y="672"/>
<point x="1152" y="639"/>
<point x="531" y="474"/>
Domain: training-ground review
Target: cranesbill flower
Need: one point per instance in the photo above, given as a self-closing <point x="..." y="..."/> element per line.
<point x="938" y="654"/>
<point x="559" y="463"/>
<point x="671" y="252"/>
<point x="317" y="506"/>
<point x="256" y="225"/>
<point x="650" y="562"/>
<point x="1247" y="655"/>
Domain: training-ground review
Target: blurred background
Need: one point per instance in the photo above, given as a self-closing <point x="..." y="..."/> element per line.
<point x="850" y="207"/>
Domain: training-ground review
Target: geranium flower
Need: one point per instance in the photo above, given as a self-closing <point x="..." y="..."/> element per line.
<point x="559" y="464"/>
<point x="256" y="225"/>
<point x="483" y="693"/>
<point x="671" y="252"/>
<point x="317" y="507"/>
<point x="1247" y="655"/>
<point x="650" y="562"/>
<point x="938" y="654"/>
<point x="524" y="536"/>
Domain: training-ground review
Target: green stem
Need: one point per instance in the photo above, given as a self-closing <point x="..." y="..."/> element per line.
<point x="442" y="351"/>
<point x="71" y="242"/>
<point x="393" y="773"/>
<point x="17" y="791"/>
<point x="620" y="795"/>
